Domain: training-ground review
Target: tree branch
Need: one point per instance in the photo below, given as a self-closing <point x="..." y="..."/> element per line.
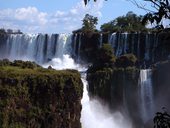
<point x="141" y="6"/>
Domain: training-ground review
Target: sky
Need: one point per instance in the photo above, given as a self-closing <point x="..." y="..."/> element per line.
<point x="59" y="16"/>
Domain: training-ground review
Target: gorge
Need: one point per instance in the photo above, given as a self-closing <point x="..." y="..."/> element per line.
<point x="123" y="96"/>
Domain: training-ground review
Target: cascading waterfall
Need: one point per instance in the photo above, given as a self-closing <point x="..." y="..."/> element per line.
<point x="55" y="50"/>
<point x="36" y="47"/>
<point x="101" y="40"/>
<point x="147" y="47"/>
<point x="112" y="40"/>
<point x="138" y="46"/>
<point x="142" y="45"/>
<point x="96" y="115"/>
<point x="74" y="44"/>
<point x="79" y="46"/>
<point x="146" y="94"/>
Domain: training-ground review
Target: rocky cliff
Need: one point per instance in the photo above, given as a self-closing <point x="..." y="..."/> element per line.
<point x="117" y="87"/>
<point x="161" y="84"/>
<point x="34" y="97"/>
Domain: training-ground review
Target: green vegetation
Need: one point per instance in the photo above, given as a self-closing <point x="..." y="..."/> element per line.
<point x="162" y="120"/>
<point x="9" y="31"/>
<point x="2" y="31"/>
<point x="32" y="96"/>
<point x="106" y="59"/>
<point x="89" y="24"/>
<point x="129" y="22"/>
<point x="159" y="11"/>
<point x="105" y="54"/>
<point x="126" y="60"/>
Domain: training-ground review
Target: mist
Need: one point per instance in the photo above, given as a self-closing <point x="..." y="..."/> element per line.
<point x="95" y="115"/>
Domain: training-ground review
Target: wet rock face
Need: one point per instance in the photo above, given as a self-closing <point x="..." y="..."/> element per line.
<point x="3" y="40"/>
<point x="161" y="84"/>
<point x="85" y="45"/>
<point x="119" y="88"/>
<point x="112" y="85"/>
<point x="39" y="98"/>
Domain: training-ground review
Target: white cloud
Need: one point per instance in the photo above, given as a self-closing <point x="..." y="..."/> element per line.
<point x="31" y="14"/>
<point x="30" y="19"/>
<point x="27" y="19"/>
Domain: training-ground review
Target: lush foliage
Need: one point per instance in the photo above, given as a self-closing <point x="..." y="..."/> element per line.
<point x="159" y="12"/>
<point x="129" y="22"/>
<point x="105" y="54"/>
<point x="162" y="120"/>
<point x="126" y="60"/>
<point x="88" y="25"/>
<point x="106" y="59"/>
<point x="34" y="97"/>
<point x="2" y="31"/>
<point x="9" y="31"/>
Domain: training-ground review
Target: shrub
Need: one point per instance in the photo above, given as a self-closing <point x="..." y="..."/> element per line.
<point x="105" y="54"/>
<point x="126" y="60"/>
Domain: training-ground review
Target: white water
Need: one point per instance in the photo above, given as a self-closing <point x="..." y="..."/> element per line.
<point x="121" y="41"/>
<point x="95" y="115"/>
<point x="37" y="47"/>
<point x="101" y="40"/>
<point x="31" y="47"/>
<point x="146" y="93"/>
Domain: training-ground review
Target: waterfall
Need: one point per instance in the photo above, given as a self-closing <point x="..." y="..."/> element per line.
<point x="96" y="115"/>
<point x="74" y="44"/>
<point x="79" y="46"/>
<point x="101" y="40"/>
<point x="138" y="46"/>
<point x="55" y="50"/>
<point x="147" y="47"/>
<point x="143" y="45"/>
<point x="146" y="94"/>
<point x="112" y="40"/>
<point x="36" y="47"/>
<point x="120" y="43"/>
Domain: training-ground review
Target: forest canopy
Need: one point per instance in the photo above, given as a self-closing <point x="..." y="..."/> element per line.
<point x="129" y="22"/>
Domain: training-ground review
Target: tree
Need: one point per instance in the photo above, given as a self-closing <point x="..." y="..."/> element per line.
<point x="2" y="31"/>
<point x="86" y="1"/>
<point x="105" y="55"/>
<point x="129" y="22"/>
<point x="126" y="60"/>
<point x="89" y="23"/>
<point x="160" y="10"/>
<point x="162" y="120"/>
<point x="104" y="58"/>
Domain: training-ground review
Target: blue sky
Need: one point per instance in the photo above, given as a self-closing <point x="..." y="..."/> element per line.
<point x="59" y="16"/>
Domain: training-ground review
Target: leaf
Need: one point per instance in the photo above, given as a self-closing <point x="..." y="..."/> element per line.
<point x="85" y="2"/>
<point x="167" y="2"/>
